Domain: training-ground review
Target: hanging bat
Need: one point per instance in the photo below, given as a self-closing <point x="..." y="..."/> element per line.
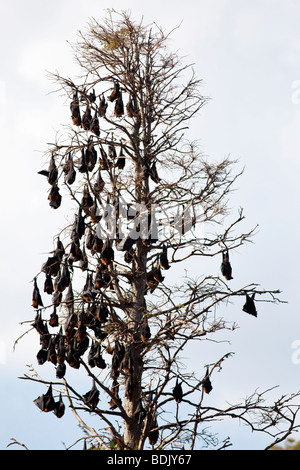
<point x="45" y="340"/>
<point x="81" y="325"/>
<point x="57" y="298"/>
<point x="86" y="120"/>
<point x="153" y="434"/>
<point x="100" y="183"/>
<point x="92" y="353"/>
<point x="61" y="350"/>
<point x="75" y="251"/>
<point x="102" y="107"/>
<point x="84" y="262"/>
<point x="115" y="390"/>
<point x="71" y="174"/>
<point x="54" y="197"/>
<point x="78" y="228"/>
<point x="119" y="106"/>
<point x="81" y="331"/>
<point x="130" y="108"/>
<point x="59" y="407"/>
<point x="51" y="266"/>
<point x="81" y="346"/>
<point x="56" y="204"/>
<point x="72" y="358"/>
<point x="102" y="312"/>
<point x="127" y="242"/>
<point x="163" y="259"/>
<point x="70" y="324"/>
<point x="64" y="279"/>
<point x="90" y="155"/>
<point x="129" y="256"/>
<point x="69" y="298"/>
<point x="177" y="392"/>
<point x="42" y="356"/>
<point x="61" y="371"/>
<point x="120" y="163"/>
<point x="53" y="321"/>
<point x="94" y="212"/>
<point x="140" y="413"/>
<point x="48" y="284"/>
<point x="89" y="293"/>
<point x="153" y="173"/>
<point x="154" y="277"/>
<point x="59" y="251"/>
<point x="67" y="164"/>
<point x="206" y="383"/>
<point x="95" y="358"/>
<point x="87" y="200"/>
<point x="52" y="356"/>
<point x="102" y="278"/>
<point x="107" y="254"/>
<point x="54" y="193"/>
<point x="80" y="224"/>
<point x="95" y="125"/>
<point x="226" y="266"/>
<point x="91" y="398"/>
<point x="46" y="401"/>
<point x="56" y="280"/>
<point x="118" y="355"/>
<point x="92" y="96"/>
<point x="127" y="363"/>
<point x="116" y="92"/>
<point x="82" y="163"/>
<point x="112" y="151"/>
<point x="129" y="387"/>
<point x="36" y="297"/>
<point x="105" y="164"/>
<point x="89" y="241"/>
<point x="51" y="173"/>
<point x="100" y="362"/>
<point x="149" y="232"/>
<point x="249" y="306"/>
<point x="71" y="354"/>
<point x="75" y="110"/>
<point x="98" y="281"/>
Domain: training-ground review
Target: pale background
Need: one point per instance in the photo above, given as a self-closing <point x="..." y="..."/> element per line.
<point x="248" y="54"/>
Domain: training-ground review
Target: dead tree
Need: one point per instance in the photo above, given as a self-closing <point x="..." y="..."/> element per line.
<point x="103" y="299"/>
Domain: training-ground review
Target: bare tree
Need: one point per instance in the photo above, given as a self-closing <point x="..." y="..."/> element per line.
<point x="142" y="195"/>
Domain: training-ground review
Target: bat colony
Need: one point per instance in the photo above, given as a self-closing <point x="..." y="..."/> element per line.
<point x="84" y="328"/>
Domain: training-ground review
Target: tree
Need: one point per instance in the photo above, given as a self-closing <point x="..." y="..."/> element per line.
<point x="142" y="194"/>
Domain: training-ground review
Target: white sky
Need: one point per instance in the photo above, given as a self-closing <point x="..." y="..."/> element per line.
<point x="248" y="54"/>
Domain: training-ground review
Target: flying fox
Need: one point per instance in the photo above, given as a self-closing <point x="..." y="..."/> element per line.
<point x="226" y="266"/>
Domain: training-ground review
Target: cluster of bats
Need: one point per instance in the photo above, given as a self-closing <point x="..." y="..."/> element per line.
<point x="73" y="339"/>
<point x="226" y="270"/>
<point x="177" y="392"/>
<point x="88" y="158"/>
<point x="89" y="122"/>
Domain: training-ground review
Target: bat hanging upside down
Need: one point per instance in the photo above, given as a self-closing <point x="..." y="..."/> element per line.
<point x="249" y="306"/>
<point x="226" y="266"/>
<point x="206" y="383"/>
<point x="177" y="392"/>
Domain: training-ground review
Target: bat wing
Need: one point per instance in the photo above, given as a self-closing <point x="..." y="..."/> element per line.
<point x="44" y="173"/>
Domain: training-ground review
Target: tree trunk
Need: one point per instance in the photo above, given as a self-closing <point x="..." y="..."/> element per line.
<point x="133" y="381"/>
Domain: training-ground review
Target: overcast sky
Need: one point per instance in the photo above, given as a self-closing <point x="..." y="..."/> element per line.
<point x="247" y="52"/>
